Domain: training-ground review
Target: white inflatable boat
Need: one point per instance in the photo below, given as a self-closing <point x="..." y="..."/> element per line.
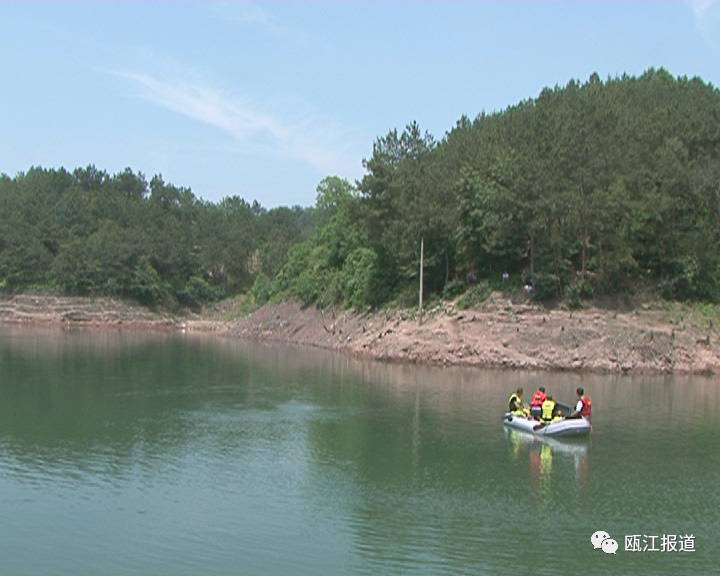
<point x="567" y="427"/>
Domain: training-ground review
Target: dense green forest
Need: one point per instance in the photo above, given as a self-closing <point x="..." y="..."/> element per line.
<point x="89" y="233"/>
<point x="601" y="187"/>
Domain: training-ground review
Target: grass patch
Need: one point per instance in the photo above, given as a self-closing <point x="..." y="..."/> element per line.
<point x="703" y="315"/>
<point x="232" y="308"/>
<point x="474" y="296"/>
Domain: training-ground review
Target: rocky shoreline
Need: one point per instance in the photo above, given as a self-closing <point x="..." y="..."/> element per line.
<point x="64" y="311"/>
<point x="501" y="334"/>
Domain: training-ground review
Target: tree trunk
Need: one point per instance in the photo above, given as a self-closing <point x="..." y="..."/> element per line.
<point x="532" y="256"/>
<point x="422" y="253"/>
<point x="447" y="267"/>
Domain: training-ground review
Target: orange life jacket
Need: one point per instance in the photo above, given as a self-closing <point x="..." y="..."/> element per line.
<point x="586" y="407"/>
<point x="538" y="398"/>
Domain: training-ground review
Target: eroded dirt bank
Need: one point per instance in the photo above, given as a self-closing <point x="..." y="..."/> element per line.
<point x="110" y="313"/>
<point x="500" y="334"/>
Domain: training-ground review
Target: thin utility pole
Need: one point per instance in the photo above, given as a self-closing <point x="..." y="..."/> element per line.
<point x="422" y="246"/>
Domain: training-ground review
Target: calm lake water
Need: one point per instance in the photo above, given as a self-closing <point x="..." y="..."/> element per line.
<point x="130" y="454"/>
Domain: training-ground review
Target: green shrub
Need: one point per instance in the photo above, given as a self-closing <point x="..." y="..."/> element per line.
<point x="692" y="280"/>
<point x="146" y="286"/>
<point x="546" y="287"/>
<point x="475" y="296"/>
<point x="579" y="291"/>
<point x="196" y="291"/>
<point x="454" y="288"/>
<point x="300" y="277"/>
<point x="261" y="289"/>
<point x="331" y="292"/>
<point x="405" y="296"/>
<point x="359" y="275"/>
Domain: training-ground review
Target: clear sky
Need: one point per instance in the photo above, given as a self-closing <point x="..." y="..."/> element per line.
<point x="264" y="99"/>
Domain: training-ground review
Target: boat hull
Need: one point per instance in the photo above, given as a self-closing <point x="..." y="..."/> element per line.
<point x="567" y="427"/>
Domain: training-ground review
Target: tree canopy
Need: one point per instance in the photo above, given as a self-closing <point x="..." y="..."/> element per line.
<point x="91" y="233"/>
<point x="592" y="187"/>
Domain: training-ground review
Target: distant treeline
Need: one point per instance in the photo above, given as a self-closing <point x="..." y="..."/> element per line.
<point x="90" y="233"/>
<point x="591" y="188"/>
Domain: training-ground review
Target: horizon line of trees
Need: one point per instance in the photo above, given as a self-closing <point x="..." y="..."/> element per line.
<point x="591" y="188"/>
<point x="90" y="233"/>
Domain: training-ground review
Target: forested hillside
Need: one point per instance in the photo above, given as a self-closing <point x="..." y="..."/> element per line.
<point x="90" y="233"/>
<point x="591" y="188"/>
<point x="600" y="187"/>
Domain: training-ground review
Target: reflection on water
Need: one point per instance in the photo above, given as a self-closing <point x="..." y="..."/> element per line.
<point x="142" y="454"/>
<point x="542" y="451"/>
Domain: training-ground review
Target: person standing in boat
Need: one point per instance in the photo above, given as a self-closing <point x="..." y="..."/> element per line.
<point x="536" y="402"/>
<point x="583" y="408"/>
<point x="516" y="406"/>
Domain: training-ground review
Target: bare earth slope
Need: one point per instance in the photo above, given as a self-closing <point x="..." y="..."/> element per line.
<point x="499" y="334"/>
<point x="79" y="311"/>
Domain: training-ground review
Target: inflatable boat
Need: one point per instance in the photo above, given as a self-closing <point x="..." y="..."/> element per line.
<point x="566" y="427"/>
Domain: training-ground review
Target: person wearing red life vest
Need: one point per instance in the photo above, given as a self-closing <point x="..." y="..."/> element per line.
<point x="536" y="402"/>
<point x="583" y="408"/>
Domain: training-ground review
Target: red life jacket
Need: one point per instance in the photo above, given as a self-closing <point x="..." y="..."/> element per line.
<point x="586" y="407"/>
<point x="538" y="398"/>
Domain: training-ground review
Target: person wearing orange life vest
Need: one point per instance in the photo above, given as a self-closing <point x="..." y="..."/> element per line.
<point x="583" y="408"/>
<point x="536" y="402"/>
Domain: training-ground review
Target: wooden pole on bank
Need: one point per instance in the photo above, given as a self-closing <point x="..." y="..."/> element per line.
<point x="422" y="246"/>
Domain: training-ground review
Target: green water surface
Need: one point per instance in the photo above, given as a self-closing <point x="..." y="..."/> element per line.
<point x="130" y="454"/>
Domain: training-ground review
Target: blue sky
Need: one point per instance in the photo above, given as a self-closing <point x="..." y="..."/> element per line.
<point x="264" y="99"/>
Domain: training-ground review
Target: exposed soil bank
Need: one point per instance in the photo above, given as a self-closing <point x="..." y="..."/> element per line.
<point x="106" y="313"/>
<point x="500" y="334"/>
